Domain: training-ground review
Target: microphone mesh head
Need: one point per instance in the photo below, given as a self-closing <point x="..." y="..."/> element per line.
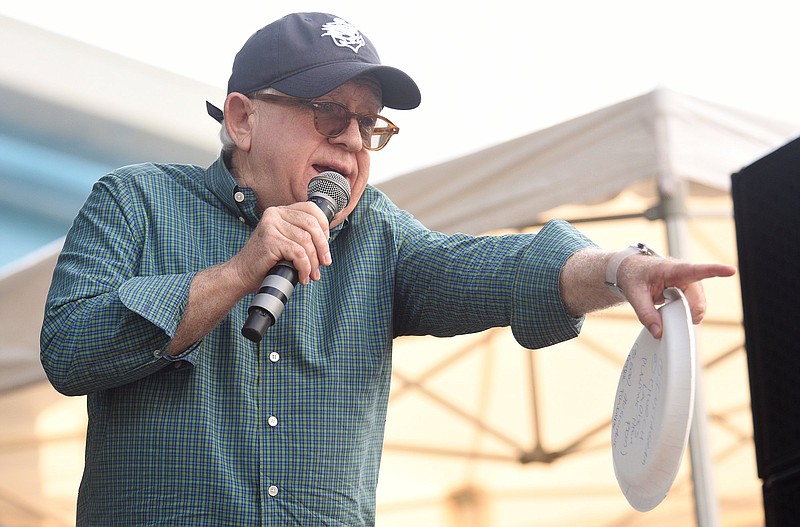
<point x="333" y="185"/>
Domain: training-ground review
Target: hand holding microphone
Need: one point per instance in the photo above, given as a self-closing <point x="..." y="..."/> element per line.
<point x="331" y="193"/>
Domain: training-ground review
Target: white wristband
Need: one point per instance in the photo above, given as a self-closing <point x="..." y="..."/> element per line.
<point x="616" y="261"/>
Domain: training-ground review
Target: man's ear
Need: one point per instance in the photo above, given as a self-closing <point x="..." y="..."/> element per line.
<point x="238" y="109"/>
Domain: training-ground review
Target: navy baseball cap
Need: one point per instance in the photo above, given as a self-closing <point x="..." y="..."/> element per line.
<point x="307" y="55"/>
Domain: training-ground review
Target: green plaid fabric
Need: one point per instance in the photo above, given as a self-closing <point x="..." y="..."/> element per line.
<point x="284" y="432"/>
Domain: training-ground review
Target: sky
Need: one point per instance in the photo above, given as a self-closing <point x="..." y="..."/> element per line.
<point x="488" y="71"/>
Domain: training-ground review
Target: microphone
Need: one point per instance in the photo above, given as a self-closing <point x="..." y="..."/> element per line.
<point x="331" y="193"/>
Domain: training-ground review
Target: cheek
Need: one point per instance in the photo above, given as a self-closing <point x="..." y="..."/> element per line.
<point x="357" y="187"/>
<point x="363" y="161"/>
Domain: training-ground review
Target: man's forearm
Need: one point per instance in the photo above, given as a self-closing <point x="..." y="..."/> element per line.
<point x="212" y="294"/>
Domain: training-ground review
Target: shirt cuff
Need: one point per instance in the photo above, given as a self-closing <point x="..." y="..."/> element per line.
<point x="161" y="300"/>
<point x="185" y="359"/>
<point x="538" y="316"/>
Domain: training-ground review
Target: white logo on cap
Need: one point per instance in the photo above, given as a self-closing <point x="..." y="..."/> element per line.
<point x="344" y="34"/>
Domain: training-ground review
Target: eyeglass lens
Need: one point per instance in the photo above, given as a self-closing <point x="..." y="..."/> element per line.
<point x="332" y="120"/>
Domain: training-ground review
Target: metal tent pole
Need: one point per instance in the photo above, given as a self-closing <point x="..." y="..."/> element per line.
<point x="673" y="208"/>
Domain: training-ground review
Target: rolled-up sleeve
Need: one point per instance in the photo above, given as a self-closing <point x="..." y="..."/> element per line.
<point x="448" y="285"/>
<point x="103" y="325"/>
<point x="538" y="316"/>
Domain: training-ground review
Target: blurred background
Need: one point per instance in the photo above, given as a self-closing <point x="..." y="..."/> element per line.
<point x="596" y="113"/>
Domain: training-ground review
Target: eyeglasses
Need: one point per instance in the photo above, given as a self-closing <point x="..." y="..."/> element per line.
<point x="331" y="119"/>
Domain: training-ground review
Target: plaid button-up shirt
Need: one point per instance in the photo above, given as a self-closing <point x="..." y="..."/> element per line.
<point x="287" y="431"/>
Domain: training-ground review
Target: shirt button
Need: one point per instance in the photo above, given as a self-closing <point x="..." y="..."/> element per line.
<point x="272" y="490"/>
<point x="272" y="421"/>
<point x="238" y="196"/>
<point x="241" y="219"/>
<point x="274" y="356"/>
<point x="158" y="353"/>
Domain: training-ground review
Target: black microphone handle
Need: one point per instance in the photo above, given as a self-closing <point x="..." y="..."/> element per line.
<point x="325" y="204"/>
<point x="270" y="300"/>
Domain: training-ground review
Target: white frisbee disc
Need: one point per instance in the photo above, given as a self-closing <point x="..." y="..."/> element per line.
<point x="653" y="407"/>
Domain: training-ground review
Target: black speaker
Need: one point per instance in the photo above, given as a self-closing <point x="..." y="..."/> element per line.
<point x="766" y="205"/>
<point x="781" y="503"/>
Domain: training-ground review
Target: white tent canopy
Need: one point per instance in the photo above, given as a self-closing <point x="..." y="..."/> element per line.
<point x="661" y="136"/>
<point x="23" y="288"/>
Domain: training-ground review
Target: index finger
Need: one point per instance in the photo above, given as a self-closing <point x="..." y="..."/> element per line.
<point x="683" y="274"/>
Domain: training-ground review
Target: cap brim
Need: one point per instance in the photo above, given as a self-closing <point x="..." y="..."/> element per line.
<point x="399" y="90"/>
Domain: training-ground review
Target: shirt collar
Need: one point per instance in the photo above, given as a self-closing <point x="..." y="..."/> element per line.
<point x="240" y="201"/>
